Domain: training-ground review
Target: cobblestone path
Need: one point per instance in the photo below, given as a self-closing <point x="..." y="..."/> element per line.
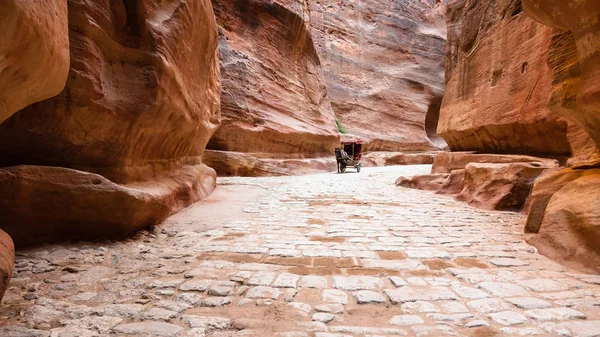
<point x="323" y="255"/>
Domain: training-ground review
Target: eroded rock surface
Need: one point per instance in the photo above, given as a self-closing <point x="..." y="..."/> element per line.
<point x="383" y="63"/>
<point x="7" y="261"/>
<point x="140" y="103"/>
<point x="446" y="162"/>
<point x="35" y="52"/>
<point x="274" y="96"/>
<point x="499" y="81"/>
<point x="570" y="230"/>
<point x="576" y="92"/>
<point x="499" y="186"/>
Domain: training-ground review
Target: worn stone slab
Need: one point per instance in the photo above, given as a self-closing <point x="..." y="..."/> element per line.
<point x="501" y="289"/>
<point x="411" y="294"/>
<point x="352" y="283"/>
<point x="148" y="329"/>
<point x="554" y="314"/>
<point x="369" y="297"/>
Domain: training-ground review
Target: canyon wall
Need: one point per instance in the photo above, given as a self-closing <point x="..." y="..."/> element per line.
<point x="119" y="148"/>
<point x="564" y="212"/>
<point x="383" y="62"/>
<point x="274" y="101"/>
<point x="499" y="82"/>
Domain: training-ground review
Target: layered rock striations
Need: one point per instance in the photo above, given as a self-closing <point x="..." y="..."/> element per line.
<point x="563" y="211"/>
<point x="274" y="100"/>
<point x="383" y="62"/>
<point x="499" y="81"/>
<point x="119" y="148"/>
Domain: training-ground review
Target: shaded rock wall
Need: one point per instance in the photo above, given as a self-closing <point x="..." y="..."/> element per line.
<point x="499" y="81"/>
<point x="140" y="103"/>
<point x="274" y="96"/>
<point x="383" y="64"/>
<point x="34" y="45"/>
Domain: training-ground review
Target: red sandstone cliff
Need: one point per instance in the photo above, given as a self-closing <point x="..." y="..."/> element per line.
<point x="383" y="62"/>
<point x="499" y="81"/>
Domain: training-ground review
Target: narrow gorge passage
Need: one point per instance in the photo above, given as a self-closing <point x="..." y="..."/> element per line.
<point x="320" y="255"/>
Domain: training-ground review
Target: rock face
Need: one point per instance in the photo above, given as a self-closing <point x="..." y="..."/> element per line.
<point x="274" y="96"/>
<point x="499" y="186"/>
<point x="383" y="64"/>
<point x="446" y="162"/>
<point x="7" y="261"/>
<point x="431" y="182"/>
<point x="140" y="103"/>
<point x="35" y="52"/>
<point x="499" y="82"/>
<point x="576" y="89"/>
<point x="564" y="206"/>
<point x="570" y="231"/>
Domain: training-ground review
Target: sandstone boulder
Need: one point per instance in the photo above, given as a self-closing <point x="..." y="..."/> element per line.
<point x="429" y="182"/>
<point x="499" y="186"/>
<point x="570" y="231"/>
<point x="454" y="184"/>
<point x="274" y="95"/>
<point x="545" y="187"/>
<point x="34" y="45"/>
<point x="54" y="203"/>
<point x="7" y="261"/>
<point x="140" y="104"/>
<point x="446" y="162"/>
<point x="383" y="63"/>
<point x="499" y="82"/>
<point x="384" y="158"/>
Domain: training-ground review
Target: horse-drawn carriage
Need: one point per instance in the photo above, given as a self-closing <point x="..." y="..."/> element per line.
<point x="349" y="155"/>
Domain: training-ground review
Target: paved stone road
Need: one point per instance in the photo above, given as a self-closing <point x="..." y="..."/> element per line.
<point x="323" y="255"/>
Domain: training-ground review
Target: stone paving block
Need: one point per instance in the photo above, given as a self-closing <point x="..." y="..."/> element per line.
<point x="508" y="318"/>
<point x="301" y="306"/>
<point x="148" y="329"/>
<point x="419" y="307"/>
<point x="411" y="294"/>
<point x="313" y="281"/>
<point x="221" y="288"/>
<point x="334" y="308"/>
<point x="369" y="331"/>
<point x="416" y="281"/>
<point x="554" y="314"/>
<point x="195" y="285"/>
<point x="262" y="278"/>
<point x="433" y="331"/>
<point x="368" y="297"/>
<point x="449" y="317"/>
<point x="508" y="262"/>
<point x="334" y="296"/>
<point x="263" y="293"/>
<point x="487" y="305"/>
<point x="398" y="281"/>
<point x="522" y="331"/>
<point x="206" y="322"/>
<point x="323" y="317"/>
<point x="286" y="280"/>
<point x="470" y="293"/>
<point x="158" y="314"/>
<point x="352" y="283"/>
<point x="529" y="302"/>
<point x="503" y="289"/>
<point x="584" y="328"/>
<point x="215" y="301"/>
<point x="542" y="285"/>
